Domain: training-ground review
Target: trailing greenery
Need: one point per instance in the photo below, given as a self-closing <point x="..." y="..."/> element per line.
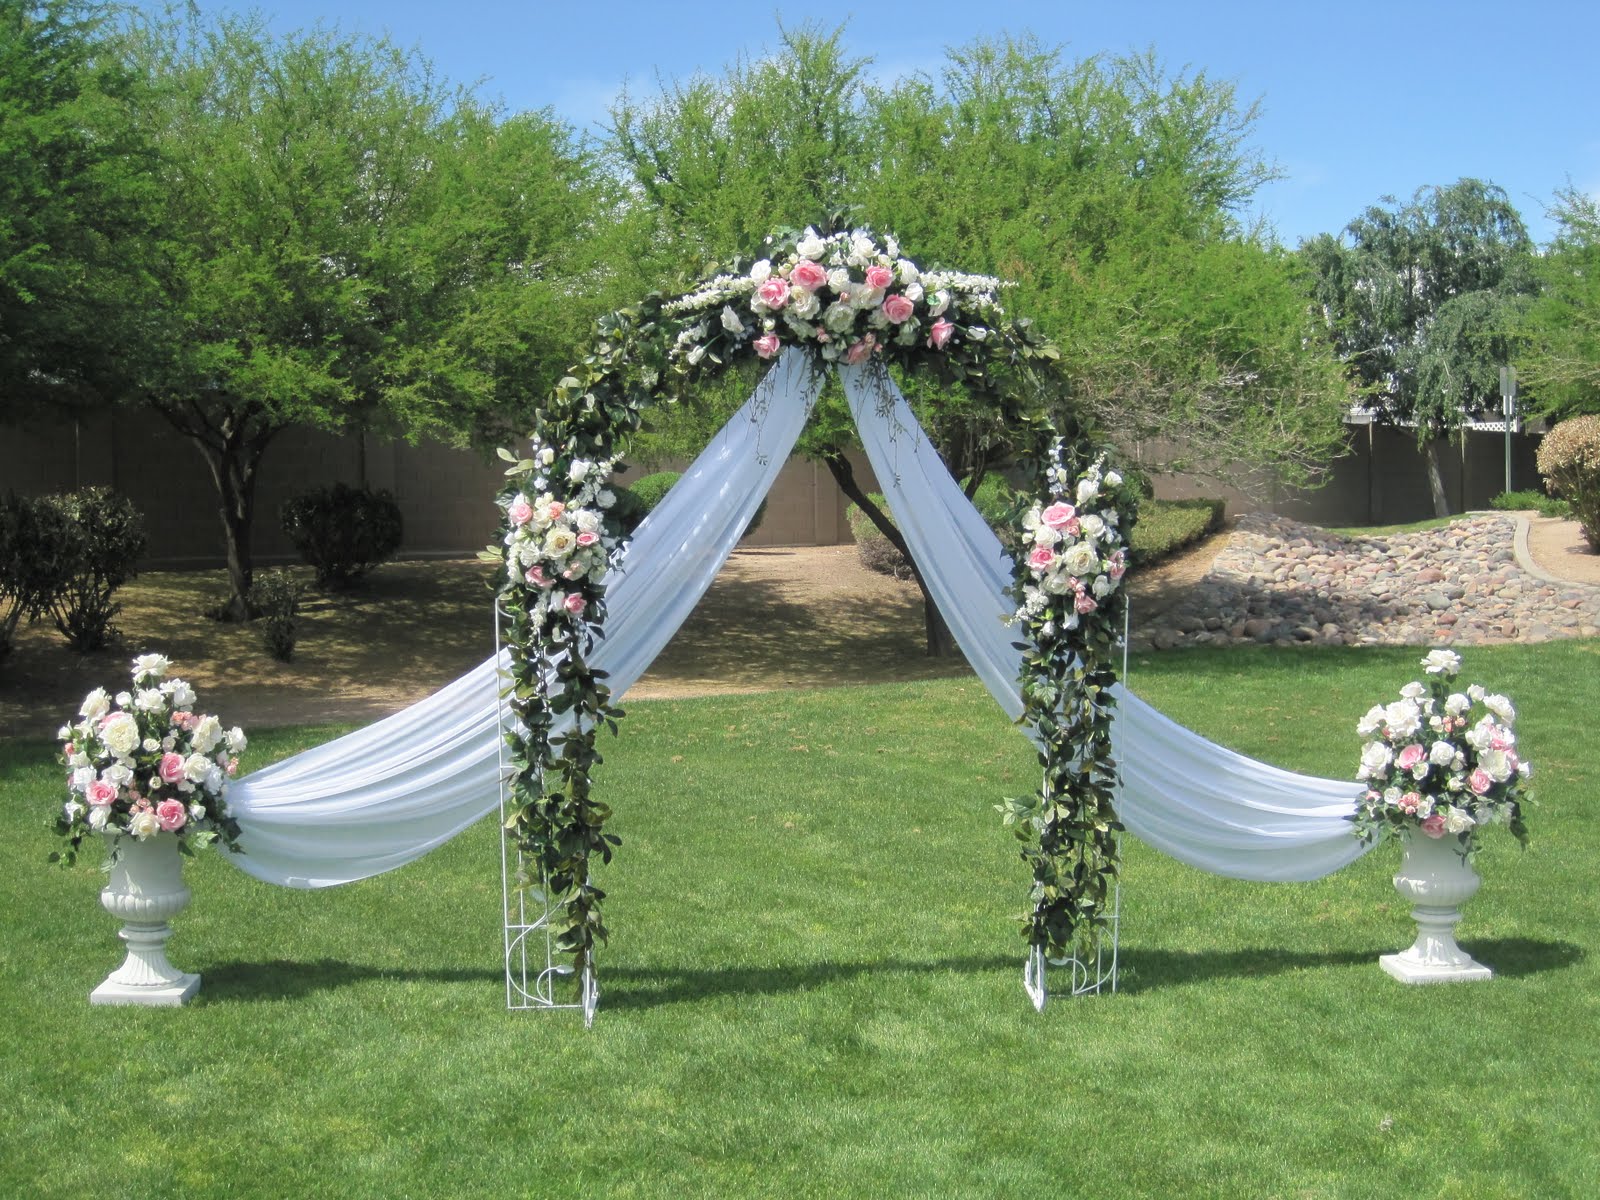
<point x="799" y="980"/>
<point x="275" y="601"/>
<point x="1166" y="526"/>
<point x="343" y="532"/>
<point x="1530" y="500"/>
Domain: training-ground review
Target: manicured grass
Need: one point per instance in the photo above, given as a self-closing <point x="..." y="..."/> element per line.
<point x="812" y="987"/>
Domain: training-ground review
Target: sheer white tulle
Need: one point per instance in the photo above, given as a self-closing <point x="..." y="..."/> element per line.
<point x="1199" y="802"/>
<point x="385" y="795"/>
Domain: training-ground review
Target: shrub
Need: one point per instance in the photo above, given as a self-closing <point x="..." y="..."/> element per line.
<point x="87" y="543"/>
<point x="343" y="532"/>
<point x="275" y="595"/>
<point x="21" y="553"/>
<point x="877" y="553"/>
<point x="1164" y="527"/>
<point x="1529" y="499"/>
<point x="639" y="499"/>
<point x="1569" y="460"/>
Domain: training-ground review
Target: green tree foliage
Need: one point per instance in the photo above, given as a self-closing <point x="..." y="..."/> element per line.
<point x="1106" y="188"/>
<point x="1423" y="300"/>
<point x="352" y="245"/>
<point x="1561" y="362"/>
<point x="75" y="207"/>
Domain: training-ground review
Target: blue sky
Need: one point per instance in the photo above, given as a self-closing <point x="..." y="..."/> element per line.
<point x="1359" y="99"/>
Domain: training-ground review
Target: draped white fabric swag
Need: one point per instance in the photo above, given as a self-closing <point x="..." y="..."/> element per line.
<point x="384" y="795"/>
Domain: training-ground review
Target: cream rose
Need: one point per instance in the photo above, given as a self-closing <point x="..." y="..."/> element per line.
<point x="120" y="734"/>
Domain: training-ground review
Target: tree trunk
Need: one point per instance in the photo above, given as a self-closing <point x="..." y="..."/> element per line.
<point x="940" y="642"/>
<point x="1441" y="506"/>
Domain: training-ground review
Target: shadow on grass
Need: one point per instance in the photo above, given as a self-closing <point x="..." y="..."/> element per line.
<point x="1150" y="970"/>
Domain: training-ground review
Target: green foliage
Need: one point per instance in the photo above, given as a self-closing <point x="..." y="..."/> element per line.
<point x="92" y="539"/>
<point x="275" y="599"/>
<point x="1166" y="526"/>
<point x="77" y="208"/>
<point x="343" y="532"/>
<point x="29" y="534"/>
<point x="1569" y="460"/>
<point x="1560" y="361"/>
<point x="996" y="501"/>
<point x="649" y="490"/>
<point x="1530" y="500"/>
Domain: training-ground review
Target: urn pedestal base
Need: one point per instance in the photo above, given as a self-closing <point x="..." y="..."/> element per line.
<point x="1437" y="880"/>
<point x="146" y="889"/>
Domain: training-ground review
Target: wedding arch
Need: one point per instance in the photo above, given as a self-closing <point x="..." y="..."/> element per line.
<point x="584" y="613"/>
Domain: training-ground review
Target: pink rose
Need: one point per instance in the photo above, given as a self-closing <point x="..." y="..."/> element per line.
<point x="101" y="794"/>
<point x="897" y="308"/>
<point x="537" y="577"/>
<point x="774" y="293"/>
<point x="1118" y="567"/>
<point x="1041" y="558"/>
<point x="1434" y="826"/>
<point x="939" y="334"/>
<point x="575" y="604"/>
<point x="1479" y="781"/>
<point x="520" y="512"/>
<point x="171" y="767"/>
<point x="1057" y="515"/>
<point x="1410" y="802"/>
<point x="1499" y="741"/>
<point x="172" y="815"/>
<point x="556" y="509"/>
<point x="1410" y="756"/>
<point x="1086" y="603"/>
<point x="808" y="275"/>
<point x="588" y="539"/>
<point x="860" y="350"/>
<point x="766" y="345"/>
<point x="880" y="277"/>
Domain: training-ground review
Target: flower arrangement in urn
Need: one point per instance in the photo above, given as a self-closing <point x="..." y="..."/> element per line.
<point x="143" y="762"/>
<point x="1441" y="760"/>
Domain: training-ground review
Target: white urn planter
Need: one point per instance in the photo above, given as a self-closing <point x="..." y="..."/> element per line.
<point x="1437" y="881"/>
<point x="146" y="890"/>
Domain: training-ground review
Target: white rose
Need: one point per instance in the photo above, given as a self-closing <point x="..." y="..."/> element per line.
<point x="151" y="745"/>
<point x="547" y="456"/>
<point x="1496" y="764"/>
<point x="197" y="811"/>
<point x="861" y="249"/>
<point x="941" y="301"/>
<point x="1403" y="719"/>
<point x="578" y="470"/>
<point x="70" y="811"/>
<point x="761" y="271"/>
<point x="1374" y="760"/>
<point x="1456" y="704"/>
<point x="81" y="778"/>
<point x="1103" y="586"/>
<point x="98" y="818"/>
<point x="1093" y="527"/>
<point x="124" y="700"/>
<point x="839" y="279"/>
<point x="144" y="824"/>
<point x="153" y="665"/>
<point x="587" y="521"/>
<point x="810" y="246"/>
<point x="839" y="317"/>
<point x="1058" y="583"/>
<point x="1046" y="537"/>
<point x="78" y="760"/>
<point x="1442" y="662"/>
<point x="803" y="305"/>
<point x="1500" y="707"/>
<point x="1441" y="754"/>
<point x="1080" y="559"/>
<point x="1088" y="489"/>
<point x="1457" y="820"/>
<point x="1113" y="479"/>
<point x="912" y="292"/>
<point x="150" y="700"/>
<point x="890" y="246"/>
<point x="1475" y="692"/>
<point x="216" y="779"/>
<point x="730" y="320"/>
<point x="976" y="333"/>
<point x="181" y="693"/>
<point x="207" y="733"/>
<point x="559" y="542"/>
<point x="196" y="767"/>
<point x="118" y="775"/>
<point x="606" y="498"/>
<point x="121" y="734"/>
<point x="95" y="705"/>
<point x="1372" y="722"/>
<point x="1413" y="691"/>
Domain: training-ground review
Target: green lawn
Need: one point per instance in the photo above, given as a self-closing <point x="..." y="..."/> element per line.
<point x="812" y="987"/>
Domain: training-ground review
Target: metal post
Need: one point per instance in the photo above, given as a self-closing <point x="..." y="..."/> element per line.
<point x="1508" y="409"/>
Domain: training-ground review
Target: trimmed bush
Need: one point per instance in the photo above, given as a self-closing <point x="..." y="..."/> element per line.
<point x="22" y="551"/>
<point x="1569" y="460"/>
<point x="275" y="595"/>
<point x="1530" y="500"/>
<point x="639" y="499"/>
<point x="343" y="532"/>
<point x="877" y="553"/>
<point x="87" y="543"/>
<point x="1164" y="527"/>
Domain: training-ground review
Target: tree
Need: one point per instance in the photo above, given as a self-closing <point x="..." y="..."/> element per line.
<point x="1422" y="300"/>
<point x="1105" y="188"/>
<point x="1560" y="363"/>
<point x="76" y="208"/>
<point x="349" y="245"/>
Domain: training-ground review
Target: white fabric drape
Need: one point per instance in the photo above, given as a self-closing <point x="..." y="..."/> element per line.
<point x="384" y="795"/>
<point x="1199" y="802"/>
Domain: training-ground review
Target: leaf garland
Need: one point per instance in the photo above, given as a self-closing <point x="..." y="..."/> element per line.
<point x="1069" y="561"/>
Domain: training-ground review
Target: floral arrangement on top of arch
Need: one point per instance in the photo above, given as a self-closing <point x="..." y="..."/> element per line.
<point x="852" y="297"/>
